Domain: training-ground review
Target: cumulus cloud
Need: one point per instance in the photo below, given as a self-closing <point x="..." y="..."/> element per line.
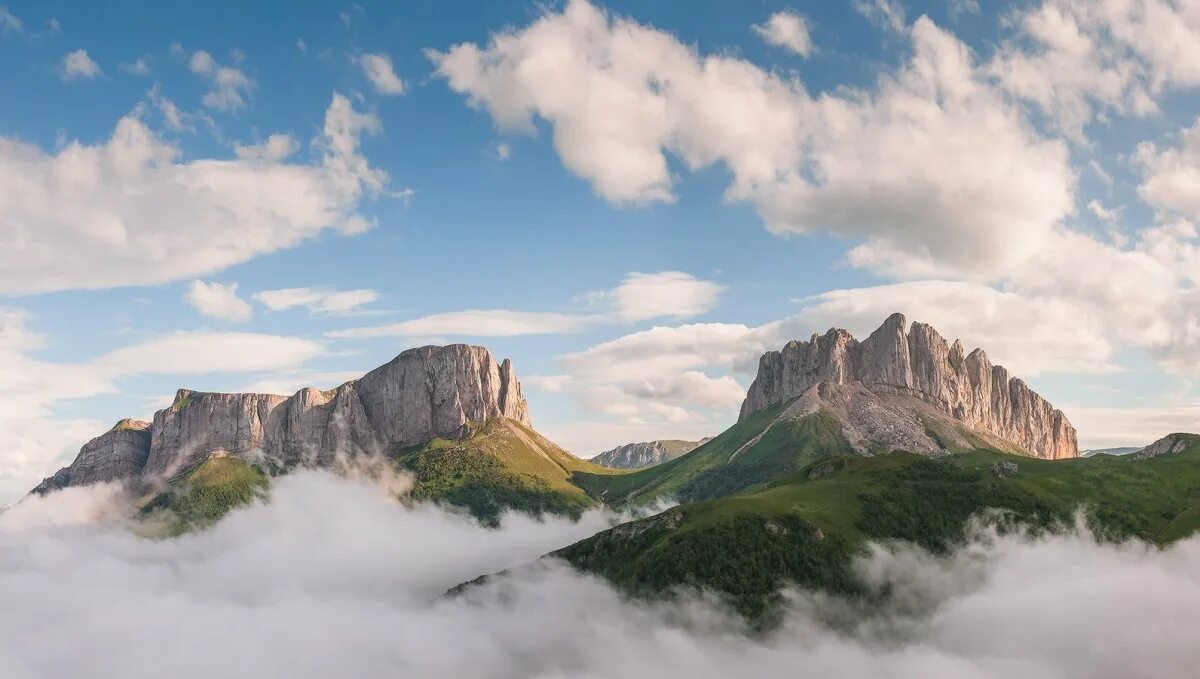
<point x="640" y="297"/>
<point x="786" y="29"/>
<point x="229" y="86"/>
<point x="378" y="69"/>
<point x="276" y="148"/>
<point x="887" y="14"/>
<point x="220" y="301"/>
<point x="368" y="602"/>
<point x="78" y="65"/>
<point x="897" y="167"/>
<point x="316" y="300"/>
<point x="130" y="211"/>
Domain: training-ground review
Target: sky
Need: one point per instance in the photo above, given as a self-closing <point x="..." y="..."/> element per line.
<point x="632" y="201"/>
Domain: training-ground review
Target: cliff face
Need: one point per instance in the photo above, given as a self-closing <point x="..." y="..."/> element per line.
<point x="421" y="394"/>
<point x="645" y="454"/>
<point x="917" y="362"/>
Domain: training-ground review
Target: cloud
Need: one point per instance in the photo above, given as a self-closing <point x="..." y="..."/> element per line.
<point x="9" y="22"/>
<point x="896" y="167"/>
<point x="887" y="14"/>
<point x="194" y="353"/>
<point x="316" y="300"/>
<point x="378" y="69"/>
<point x="475" y="323"/>
<point x="276" y="148"/>
<point x="230" y="87"/>
<point x="139" y="66"/>
<point x="130" y="211"/>
<point x="1171" y="176"/>
<point x="639" y="297"/>
<point x="219" y="301"/>
<point x="666" y="294"/>
<point x="78" y="65"/>
<point x="788" y="30"/>
<point x="1102" y="213"/>
<point x="253" y="587"/>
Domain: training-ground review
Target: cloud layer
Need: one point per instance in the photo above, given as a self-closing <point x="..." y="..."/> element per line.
<point x="252" y="597"/>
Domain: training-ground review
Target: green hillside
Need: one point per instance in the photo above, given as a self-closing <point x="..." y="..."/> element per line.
<point x="748" y="455"/>
<point x="502" y="465"/>
<point x="205" y="494"/>
<point x="807" y="527"/>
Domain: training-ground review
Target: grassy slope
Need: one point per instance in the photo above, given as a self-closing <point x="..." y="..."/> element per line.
<point x="709" y="472"/>
<point x="207" y="493"/>
<point x="502" y="465"/>
<point x="807" y="531"/>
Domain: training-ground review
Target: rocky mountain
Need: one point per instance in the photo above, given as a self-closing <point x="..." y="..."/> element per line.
<point x="894" y="388"/>
<point x="645" y="454"/>
<point x="1122" y="450"/>
<point x="422" y="394"/>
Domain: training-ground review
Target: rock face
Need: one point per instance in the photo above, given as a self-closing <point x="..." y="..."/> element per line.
<point x="420" y="395"/>
<point x="646" y="454"/>
<point x="916" y="362"/>
<point x="1167" y="445"/>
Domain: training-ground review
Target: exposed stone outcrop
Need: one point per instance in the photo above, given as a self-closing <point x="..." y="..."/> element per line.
<point x="421" y="394"/>
<point x="918" y="363"/>
<point x="645" y="454"/>
<point x="117" y="454"/>
<point x="1167" y="445"/>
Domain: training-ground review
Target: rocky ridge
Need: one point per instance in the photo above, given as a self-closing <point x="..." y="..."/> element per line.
<point x="898" y="364"/>
<point x="1167" y="445"/>
<point x="645" y="454"/>
<point x="421" y="394"/>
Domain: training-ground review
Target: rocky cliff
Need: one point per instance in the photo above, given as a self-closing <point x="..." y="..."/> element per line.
<point x="421" y="394"/>
<point x="916" y="363"/>
<point x="645" y="454"/>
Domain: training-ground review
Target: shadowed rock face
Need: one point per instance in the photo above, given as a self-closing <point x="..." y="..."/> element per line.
<point x="420" y="395"/>
<point x="917" y="362"/>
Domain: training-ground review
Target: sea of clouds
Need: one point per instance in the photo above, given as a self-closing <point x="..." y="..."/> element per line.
<point x="334" y="578"/>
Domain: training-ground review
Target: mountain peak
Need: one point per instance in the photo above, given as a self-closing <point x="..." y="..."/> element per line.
<point x="915" y="362"/>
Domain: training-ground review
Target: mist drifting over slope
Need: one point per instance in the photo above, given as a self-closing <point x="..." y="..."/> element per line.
<point x="333" y="578"/>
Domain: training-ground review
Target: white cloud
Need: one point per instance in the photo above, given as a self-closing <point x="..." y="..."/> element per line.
<point x="787" y="29"/>
<point x="253" y="585"/>
<point x="887" y="14"/>
<point x="1102" y="213"/>
<point x="276" y="148"/>
<point x="128" y="211"/>
<point x="301" y="45"/>
<point x="293" y="380"/>
<point x="78" y="65"/>
<point x="219" y="301"/>
<point x="475" y="323"/>
<point x="896" y="167"/>
<point x="230" y="87"/>
<point x="674" y="294"/>
<point x="316" y="300"/>
<point x="140" y="66"/>
<point x="378" y="69"/>
<point x="503" y="151"/>
<point x="1171" y="176"/>
<point x="640" y="297"/>
<point x="9" y="22"/>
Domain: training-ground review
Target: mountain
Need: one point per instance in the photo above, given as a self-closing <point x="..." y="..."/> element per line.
<point x="807" y="528"/>
<point x="1168" y="445"/>
<point x="452" y="411"/>
<point x="901" y="389"/>
<point x="1126" y="450"/>
<point x="645" y="454"/>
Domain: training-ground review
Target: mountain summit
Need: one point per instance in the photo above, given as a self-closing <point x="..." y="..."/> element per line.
<point x="422" y="394"/>
<point x="906" y="387"/>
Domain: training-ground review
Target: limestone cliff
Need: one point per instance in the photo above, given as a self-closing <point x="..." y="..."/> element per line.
<point x="917" y="363"/>
<point x="421" y="394"/>
<point x="645" y="454"/>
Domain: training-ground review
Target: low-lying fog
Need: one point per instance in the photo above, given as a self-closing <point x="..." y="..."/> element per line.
<point x="334" y="579"/>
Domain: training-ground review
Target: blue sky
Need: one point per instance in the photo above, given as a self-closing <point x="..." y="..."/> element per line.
<point x="633" y="219"/>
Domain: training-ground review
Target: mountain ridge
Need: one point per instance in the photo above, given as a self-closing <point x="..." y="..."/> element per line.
<point x="646" y="453"/>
